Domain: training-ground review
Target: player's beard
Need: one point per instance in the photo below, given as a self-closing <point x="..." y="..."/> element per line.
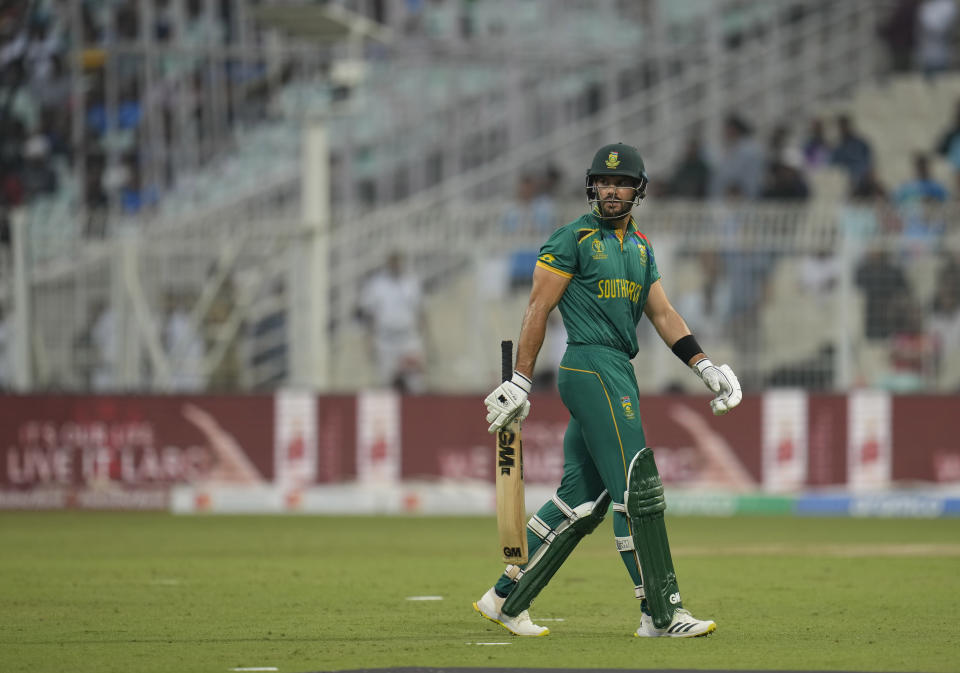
<point x="614" y="208"/>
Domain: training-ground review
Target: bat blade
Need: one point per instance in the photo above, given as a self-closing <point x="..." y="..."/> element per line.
<point x="511" y="510"/>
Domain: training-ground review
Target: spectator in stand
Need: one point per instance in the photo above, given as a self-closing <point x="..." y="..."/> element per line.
<point x="183" y="345"/>
<point x="911" y="349"/>
<point x="852" y="152"/>
<point x="12" y="139"/>
<point x="899" y="32"/>
<point x="816" y="148"/>
<point x="944" y="325"/>
<point x="706" y="308"/>
<point x="883" y="283"/>
<point x="869" y="188"/>
<point x="216" y="329"/>
<point x="43" y="45"/>
<point x="98" y="339"/>
<point x="747" y="268"/>
<point x="527" y="212"/>
<point x="544" y="206"/>
<point x="391" y="305"/>
<point x="532" y="211"/>
<point x="691" y="175"/>
<point x="742" y="160"/>
<point x="919" y="202"/>
<point x="949" y="145"/>
<point x="922" y="187"/>
<point x="935" y="36"/>
<point x="866" y="213"/>
<point x="38" y="177"/>
<point x="785" y="180"/>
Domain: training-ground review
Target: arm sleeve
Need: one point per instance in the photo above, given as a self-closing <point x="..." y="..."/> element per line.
<point x="559" y="253"/>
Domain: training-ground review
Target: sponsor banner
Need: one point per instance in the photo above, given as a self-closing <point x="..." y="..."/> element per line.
<point x="726" y="504"/>
<point x="126" y="452"/>
<point x="443" y="499"/>
<point x="916" y="505"/>
<point x="446" y="437"/>
<point x="700" y="504"/>
<point x="336" y="438"/>
<point x="784" y="440"/>
<point x="155" y="498"/>
<point x="695" y="449"/>
<point x="295" y="439"/>
<point x="823" y="505"/>
<point x="869" y="432"/>
<point x="378" y="437"/>
<point x="926" y="438"/>
<point x="827" y="440"/>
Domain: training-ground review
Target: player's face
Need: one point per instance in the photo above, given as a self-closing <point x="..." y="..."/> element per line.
<point x="616" y="194"/>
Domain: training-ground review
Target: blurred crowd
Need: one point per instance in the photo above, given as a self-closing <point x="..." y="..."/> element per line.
<point x="915" y="214"/>
<point x="915" y="328"/>
<point x="35" y="117"/>
<point x="76" y="86"/>
<point x="55" y="110"/>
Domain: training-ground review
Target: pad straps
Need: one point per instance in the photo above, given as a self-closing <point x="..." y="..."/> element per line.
<point x="557" y="545"/>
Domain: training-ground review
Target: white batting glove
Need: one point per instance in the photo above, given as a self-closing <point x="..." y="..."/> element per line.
<point x="722" y="381"/>
<point x="508" y="401"/>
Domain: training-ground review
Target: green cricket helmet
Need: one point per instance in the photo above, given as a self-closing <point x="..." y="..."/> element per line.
<point x="617" y="159"/>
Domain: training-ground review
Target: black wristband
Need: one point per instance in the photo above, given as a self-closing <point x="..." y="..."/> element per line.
<point x="685" y="348"/>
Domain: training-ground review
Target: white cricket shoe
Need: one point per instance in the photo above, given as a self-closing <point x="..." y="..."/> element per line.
<point x="684" y="625"/>
<point x="489" y="606"/>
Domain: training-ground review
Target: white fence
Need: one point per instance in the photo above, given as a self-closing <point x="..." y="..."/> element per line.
<point x="824" y="297"/>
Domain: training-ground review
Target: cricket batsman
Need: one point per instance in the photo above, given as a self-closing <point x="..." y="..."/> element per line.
<point x="602" y="273"/>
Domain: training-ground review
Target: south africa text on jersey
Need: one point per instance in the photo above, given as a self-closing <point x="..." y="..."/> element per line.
<point x="615" y="288"/>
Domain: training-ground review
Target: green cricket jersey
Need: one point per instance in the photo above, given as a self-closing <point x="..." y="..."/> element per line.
<point x="609" y="281"/>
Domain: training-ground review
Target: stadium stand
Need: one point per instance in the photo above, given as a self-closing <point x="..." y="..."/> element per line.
<point x="191" y="156"/>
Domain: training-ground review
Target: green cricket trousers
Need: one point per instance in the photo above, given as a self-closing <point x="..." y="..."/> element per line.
<point x="599" y="388"/>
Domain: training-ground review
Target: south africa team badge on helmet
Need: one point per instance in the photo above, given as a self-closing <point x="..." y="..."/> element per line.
<point x="613" y="160"/>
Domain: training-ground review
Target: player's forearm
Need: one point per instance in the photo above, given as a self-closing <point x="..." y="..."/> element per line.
<point x="532" y="334"/>
<point x="671" y="327"/>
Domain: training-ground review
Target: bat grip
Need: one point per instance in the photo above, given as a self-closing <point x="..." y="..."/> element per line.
<point x="506" y="360"/>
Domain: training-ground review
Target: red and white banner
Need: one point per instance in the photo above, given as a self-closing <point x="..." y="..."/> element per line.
<point x="129" y="451"/>
<point x="295" y="439"/>
<point x="126" y="452"/>
<point x="785" y="423"/>
<point x="378" y="437"/>
<point x="869" y="449"/>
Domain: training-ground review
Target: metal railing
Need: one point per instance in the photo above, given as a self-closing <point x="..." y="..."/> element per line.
<point x="821" y="297"/>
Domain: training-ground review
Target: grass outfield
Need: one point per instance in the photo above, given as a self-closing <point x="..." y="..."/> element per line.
<point x="152" y="592"/>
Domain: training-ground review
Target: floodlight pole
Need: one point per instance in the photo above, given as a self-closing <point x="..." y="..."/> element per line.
<point x="310" y="286"/>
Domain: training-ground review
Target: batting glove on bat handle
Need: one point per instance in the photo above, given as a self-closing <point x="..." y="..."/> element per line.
<point x="722" y="381"/>
<point x="508" y="401"/>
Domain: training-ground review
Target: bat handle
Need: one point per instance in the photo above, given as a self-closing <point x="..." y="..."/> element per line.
<point x="506" y="360"/>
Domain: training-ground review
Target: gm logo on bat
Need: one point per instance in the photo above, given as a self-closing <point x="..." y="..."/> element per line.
<point x="511" y="552"/>
<point x="506" y="454"/>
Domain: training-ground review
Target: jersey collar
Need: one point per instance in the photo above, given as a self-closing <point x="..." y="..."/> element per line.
<point x="605" y="224"/>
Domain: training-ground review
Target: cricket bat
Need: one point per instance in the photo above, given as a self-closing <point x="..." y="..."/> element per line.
<point x="511" y="511"/>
